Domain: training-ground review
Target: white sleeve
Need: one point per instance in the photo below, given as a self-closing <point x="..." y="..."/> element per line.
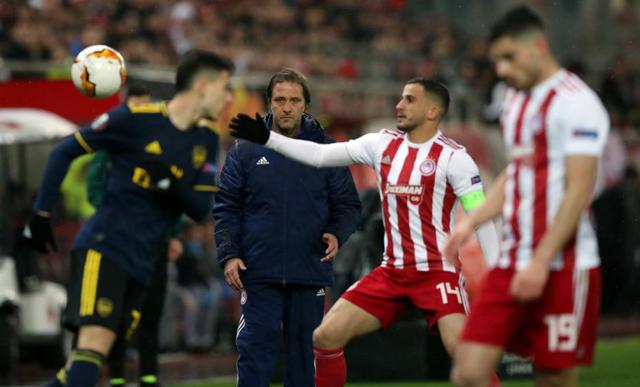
<point x="585" y="125"/>
<point x="489" y="242"/>
<point x="463" y="174"/>
<point x="317" y="155"/>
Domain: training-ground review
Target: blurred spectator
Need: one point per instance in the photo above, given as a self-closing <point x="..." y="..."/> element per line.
<point x="200" y="290"/>
<point x="617" y="215"/>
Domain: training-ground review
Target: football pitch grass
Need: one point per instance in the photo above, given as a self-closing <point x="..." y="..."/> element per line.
<point x="617" y="364"/>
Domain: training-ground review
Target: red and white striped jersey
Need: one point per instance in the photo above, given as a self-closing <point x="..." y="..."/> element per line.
<point x="560" y="117"/>
<point x="419" y="185"/>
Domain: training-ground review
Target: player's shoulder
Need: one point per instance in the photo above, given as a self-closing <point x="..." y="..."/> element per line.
<point x="573" y="91"/>
<point x="148" y="108"/>
<point x="449" y="143"/>
<point x="391" y="133"/>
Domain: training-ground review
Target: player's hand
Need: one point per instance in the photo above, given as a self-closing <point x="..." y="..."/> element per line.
<point x="461" y="232"/>
<point x="254" y="130"/>
<point x="160" y="174"/>
<point x="174" y="249"/>
<point x="528" y="283"/>
<point x="38" y="234"/>
<point x="332" y="247"/>
<point x="232" y="272"/>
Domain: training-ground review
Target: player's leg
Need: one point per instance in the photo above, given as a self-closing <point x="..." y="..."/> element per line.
<point x="557" y="378"/>
<point x="149" y="324"/>
<point x="117" y="359"/>
<point x="493" y="320"/>
<point x="370" y="304"/>
<point x="303" y="312"/>
<point x="474" y="364"/>
<point x="95" y="307"/>
<point x="258" y="333"/>
<point x="343" y="322"/>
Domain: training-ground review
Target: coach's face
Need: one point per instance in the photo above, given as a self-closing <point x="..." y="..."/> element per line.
<point x="411" y="110"/>
<point x="516" y="60"/>
<point x="287" y="106"/>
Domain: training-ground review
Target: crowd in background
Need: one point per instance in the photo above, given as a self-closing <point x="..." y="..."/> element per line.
<point x="376" y="40"/>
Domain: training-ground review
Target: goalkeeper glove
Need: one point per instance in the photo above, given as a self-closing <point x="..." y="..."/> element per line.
<point x="254" y="130"/>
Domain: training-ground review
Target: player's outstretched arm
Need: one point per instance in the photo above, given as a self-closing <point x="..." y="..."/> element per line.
<point x="306" y="152"/>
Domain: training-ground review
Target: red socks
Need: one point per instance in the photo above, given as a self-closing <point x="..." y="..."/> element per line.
<point x="495" y="382"/>
<point x="331" y="367"/>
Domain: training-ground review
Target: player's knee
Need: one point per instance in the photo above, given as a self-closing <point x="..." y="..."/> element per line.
<point x="468" y="377"/>
<point x="324" y="337"/>
<point x="96" y="338"/>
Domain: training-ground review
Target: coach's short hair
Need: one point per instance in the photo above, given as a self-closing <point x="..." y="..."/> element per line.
<point x="435" y="89"/>
<point x="195" y="61"/>
<point x="516" y="22"/>
<point x="289" y="75"/>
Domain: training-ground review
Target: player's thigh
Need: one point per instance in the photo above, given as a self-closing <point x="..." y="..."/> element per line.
<point x="102" y="297"/>
<point x="450" y="328"/>
<point x="343" y="322"/>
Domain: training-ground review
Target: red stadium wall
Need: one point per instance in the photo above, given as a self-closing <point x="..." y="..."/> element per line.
<point x="57" y="96"/>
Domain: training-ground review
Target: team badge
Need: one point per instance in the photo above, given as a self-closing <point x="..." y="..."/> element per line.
<point x="104" y="306"/>
<point x="198" y="156"/>
<point x="428" y="167"/>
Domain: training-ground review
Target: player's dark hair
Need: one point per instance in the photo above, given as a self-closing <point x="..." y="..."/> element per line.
<point x="289" y="75"/>
<point x="435" y="89"/>
<point x="195" y="61"/>
<point x="137" y="90"/>
<point x="516" y="22"/>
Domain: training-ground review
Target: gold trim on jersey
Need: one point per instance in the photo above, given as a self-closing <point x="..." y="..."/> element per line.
<point x="152" y="107"/>
<point x="206" y="188"/>
<point x="82" y="142"/>
<point x="89" y="288"/>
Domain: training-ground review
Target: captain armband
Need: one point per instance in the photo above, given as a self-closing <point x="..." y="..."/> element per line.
<point x="472" y="200"/>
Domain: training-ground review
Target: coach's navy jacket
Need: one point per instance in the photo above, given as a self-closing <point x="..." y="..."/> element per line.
<point x="271" y="212"/>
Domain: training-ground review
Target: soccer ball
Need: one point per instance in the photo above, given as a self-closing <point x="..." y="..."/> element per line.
<point x="98" y="71"/>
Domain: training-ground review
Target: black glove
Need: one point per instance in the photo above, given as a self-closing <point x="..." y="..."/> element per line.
<point x="254" y="130"/>
<point x="38" y="234"/>
<point x="162" y="179"/>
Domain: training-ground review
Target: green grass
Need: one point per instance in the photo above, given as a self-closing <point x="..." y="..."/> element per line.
<point x="617" y="364"/>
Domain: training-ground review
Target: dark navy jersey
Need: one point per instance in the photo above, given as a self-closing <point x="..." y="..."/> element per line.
<point x="134" y="220"/>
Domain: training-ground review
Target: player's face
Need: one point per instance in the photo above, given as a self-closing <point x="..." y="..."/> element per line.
<point x="287" y="106"/>
<point x="411" y="111"/>
<point x="515" y="61"/>
<point x="217" y="95"/>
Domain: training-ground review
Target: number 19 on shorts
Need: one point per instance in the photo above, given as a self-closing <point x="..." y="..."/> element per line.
<point x="562" y="332"/>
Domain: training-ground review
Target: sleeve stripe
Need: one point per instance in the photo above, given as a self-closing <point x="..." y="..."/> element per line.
<point x="206" y="188"/>
<point x="82" y="142"/>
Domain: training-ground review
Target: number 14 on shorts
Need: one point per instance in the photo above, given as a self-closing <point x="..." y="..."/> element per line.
<point x="446" y="290"/>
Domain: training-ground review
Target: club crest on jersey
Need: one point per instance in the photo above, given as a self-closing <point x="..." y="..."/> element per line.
<point x="428" y="167"/>
<point x="198" y="156"/>
<point x="413" y="192"/>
